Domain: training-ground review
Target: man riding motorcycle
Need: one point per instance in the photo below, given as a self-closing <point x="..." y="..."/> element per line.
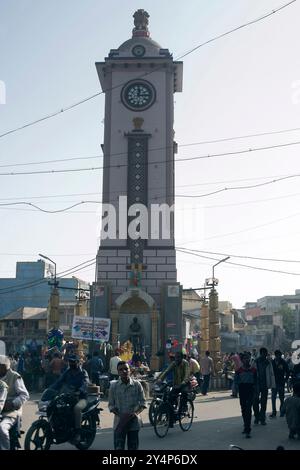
<point x="17" y="395"/>
<point x="74" y="380"/>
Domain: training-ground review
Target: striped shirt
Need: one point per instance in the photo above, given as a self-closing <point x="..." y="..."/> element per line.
<point x="126" y="398"/>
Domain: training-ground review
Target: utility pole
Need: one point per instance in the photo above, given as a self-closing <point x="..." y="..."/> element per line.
<point x="53" y="317"/>
<point x="204" y="326"/>
<point x="81" y="311"/>
<point x="214" y="318"/>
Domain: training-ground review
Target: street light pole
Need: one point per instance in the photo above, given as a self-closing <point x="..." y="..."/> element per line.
<point x="53" y="262"/>
<point x="53" y="318"/>
<point x="214" y="328"/>
<point x="213" y="269"/>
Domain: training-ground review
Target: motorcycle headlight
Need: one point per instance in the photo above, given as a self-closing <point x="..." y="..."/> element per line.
<point x="43" y="405"/>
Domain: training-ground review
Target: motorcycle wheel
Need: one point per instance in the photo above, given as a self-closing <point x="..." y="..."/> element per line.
<point x="38" y="436"/>
<point x="88" y="433"/>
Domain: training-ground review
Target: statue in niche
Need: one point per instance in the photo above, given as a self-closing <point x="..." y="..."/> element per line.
<point x="136" y="336"/>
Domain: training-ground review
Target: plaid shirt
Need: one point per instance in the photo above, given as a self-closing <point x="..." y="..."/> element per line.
<point x="126" y="398"/>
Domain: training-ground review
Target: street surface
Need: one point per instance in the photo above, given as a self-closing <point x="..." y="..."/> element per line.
<point x="217" y="424"/>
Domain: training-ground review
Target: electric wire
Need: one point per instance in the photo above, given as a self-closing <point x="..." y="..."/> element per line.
<point x="155" y="149"/>
<point x="239" y="264"/>
<point x="89" y="98"/>
<point x="158" y="162"/>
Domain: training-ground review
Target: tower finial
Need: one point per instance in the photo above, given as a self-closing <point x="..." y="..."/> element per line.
<point x="141" y="24"/>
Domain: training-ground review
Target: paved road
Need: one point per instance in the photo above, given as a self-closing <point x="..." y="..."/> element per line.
<point x="217" y="424"/>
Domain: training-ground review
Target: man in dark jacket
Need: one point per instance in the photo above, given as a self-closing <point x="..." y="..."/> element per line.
<point x="265" y="380"/>
<point x="246" y="380"/>
<point x="96" y="368"/>
<point x="74" y="380"/>
<point x="281" y="373"/>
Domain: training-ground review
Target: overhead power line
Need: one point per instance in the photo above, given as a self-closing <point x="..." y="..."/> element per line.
<point x="241" y="256"/>
<point x="51" y="196"/>
<point x="155" y="149"/>
<point x="89" y="98"/>
<point x="157" y="162"/>
<point x="190" y="196"/>
<point x="233" y="188"/>
<point x="239" y="264"/>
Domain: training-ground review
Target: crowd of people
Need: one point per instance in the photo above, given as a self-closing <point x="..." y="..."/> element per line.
<point x="254" y="375"/>
<point x="251" y="376"/>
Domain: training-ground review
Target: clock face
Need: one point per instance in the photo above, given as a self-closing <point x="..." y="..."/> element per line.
<point x="138" y="95"/>
<point x="138" y="51"/>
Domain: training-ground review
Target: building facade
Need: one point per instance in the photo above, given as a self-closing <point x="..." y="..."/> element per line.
<point x="30" y="287"/>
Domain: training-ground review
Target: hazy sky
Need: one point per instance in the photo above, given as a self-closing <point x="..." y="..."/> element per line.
<point x="245" y="83"/>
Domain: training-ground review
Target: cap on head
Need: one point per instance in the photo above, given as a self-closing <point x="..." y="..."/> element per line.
<point x="4" y="360"/>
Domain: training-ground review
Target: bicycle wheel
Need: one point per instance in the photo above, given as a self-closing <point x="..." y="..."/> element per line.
<point x="187" y="416"/>
<point x="162" y="420"/>
<point x="38" y="436"/>
<point x="152" y="408"/>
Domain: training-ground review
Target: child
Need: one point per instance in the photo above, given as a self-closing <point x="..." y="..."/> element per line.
<point x="291" y="408"/>
<point x="246" y="380"/>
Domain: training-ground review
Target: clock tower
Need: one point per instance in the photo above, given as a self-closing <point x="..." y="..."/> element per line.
<point x="136" y="261"/>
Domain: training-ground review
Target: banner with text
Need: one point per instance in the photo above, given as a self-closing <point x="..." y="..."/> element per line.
<point x="83" y="328"/>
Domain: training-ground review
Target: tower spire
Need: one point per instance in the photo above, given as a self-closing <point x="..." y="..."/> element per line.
<point x="141" y="24"/>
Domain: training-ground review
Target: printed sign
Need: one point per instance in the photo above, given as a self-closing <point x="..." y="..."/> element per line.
<point x="2" y="348"/>
<point x="173" y="291"/>
<point x="98" y="291"/>
<point x="83" y="328"/>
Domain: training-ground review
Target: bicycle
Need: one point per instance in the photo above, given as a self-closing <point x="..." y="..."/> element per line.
<point x="165" y="411"/>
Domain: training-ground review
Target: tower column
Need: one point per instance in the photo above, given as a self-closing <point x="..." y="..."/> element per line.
<point x="114" y="315"/>
<point x="204" y="342"/>
<point x="154" y="360"/>
<point x="214" y="329"/>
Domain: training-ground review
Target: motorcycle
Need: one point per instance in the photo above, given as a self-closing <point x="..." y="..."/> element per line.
<point x="56" y="422"/>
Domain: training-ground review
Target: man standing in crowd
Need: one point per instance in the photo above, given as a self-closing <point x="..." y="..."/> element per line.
<point x="291" y="408"/>
<point x="113" y="366"/>
<point x="17" y="395"/>
<point x="265" y="380"/>
<point x="246" y="380"/>
<point x="96" y="368"/>
<point x="235" y="358"/>
<point x="207" y="368"/>
<point x="195" y="368"/>
<point x="126" y="400"/>
<point x="281" y="373"/>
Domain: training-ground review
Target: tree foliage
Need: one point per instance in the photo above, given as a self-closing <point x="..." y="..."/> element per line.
<point x="288" y="320"/>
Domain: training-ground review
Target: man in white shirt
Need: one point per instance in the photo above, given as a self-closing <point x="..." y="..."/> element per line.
<point x="17" y="395"/>
<point x="113" y="366"/>
<point x="207" y="368"/>
<point x="3" y="394"/>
